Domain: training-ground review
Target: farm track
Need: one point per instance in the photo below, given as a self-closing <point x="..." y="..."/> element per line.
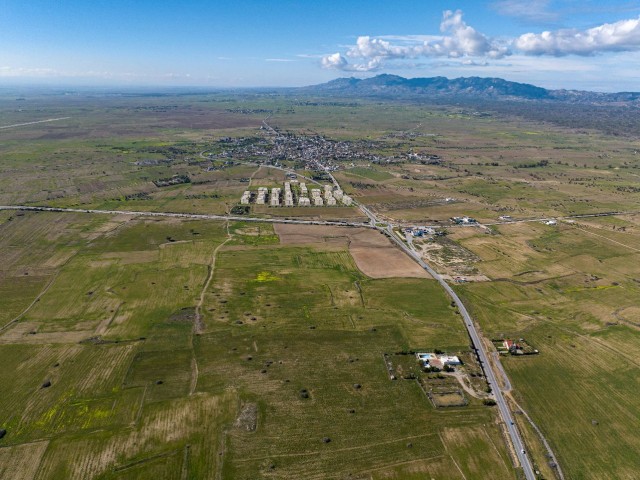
<point x="345" y="449"/>
<point x="37" y="299"/>
<point x="602" y="344"/>
<point x="254" y="174"/>
<point x="451" y="456"/>
<point x="198" y="326"/>
<point x="372" y="224"/>
<point x="30" y="306"/>
<point x="33" y="123"/>
<point x="584" y="229"/>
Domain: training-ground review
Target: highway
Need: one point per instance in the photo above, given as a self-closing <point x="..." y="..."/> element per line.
<point x="505" y="413"/>
<point x="194" y="216"/>
<point x="387" y="229"/>
<point x="503" y="408"/>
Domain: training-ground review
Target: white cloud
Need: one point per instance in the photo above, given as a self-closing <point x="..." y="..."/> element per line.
<point x="337" y="61"/>
<point x="623" y="35"/>
<point x="458" y="40"/>
<point x="7" y="71"/>
<point x="465" y="48"/>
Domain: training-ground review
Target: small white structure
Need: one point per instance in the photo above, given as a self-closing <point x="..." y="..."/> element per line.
<point x="551" y="222"/>
<point x="338" y="194"/>
<point x="246" y="196"/>
<point x="346" y="200"/>
<point x="304" y="202"/>
<point x="303" y="189"/>
<point x="438" y="361"/>
<point x="331" y="201"/>
<point x="317" y="201"/>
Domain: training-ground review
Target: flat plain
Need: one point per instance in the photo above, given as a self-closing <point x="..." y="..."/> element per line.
<point x="138" y="346"/>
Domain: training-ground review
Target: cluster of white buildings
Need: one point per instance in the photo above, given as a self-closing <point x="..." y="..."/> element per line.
<point x="318" y="198"/>
<point x="438" y="361"/>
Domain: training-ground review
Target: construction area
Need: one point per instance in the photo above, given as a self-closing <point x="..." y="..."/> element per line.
<point x="296" y="194"/>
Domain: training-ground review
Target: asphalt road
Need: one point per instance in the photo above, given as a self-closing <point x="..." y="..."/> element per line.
<point x="195" y="216"/>
<point x="387" y="229"/>
<point x="505" y="413"/>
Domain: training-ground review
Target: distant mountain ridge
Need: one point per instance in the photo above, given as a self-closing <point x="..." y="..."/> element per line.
<point x="477" y="87"/>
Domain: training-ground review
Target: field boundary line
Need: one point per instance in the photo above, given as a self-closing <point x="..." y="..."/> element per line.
<point x="145" y="460"/>
<point x="558" y="470"/>
<point x="596" y="340"/>
<point x="444" y="445"/>
<point x="184" y="474"/>
<point x="407" y="462"/>
<point x="220" y="462"/>
<point x="585" y="230"/>
<point x="35" y="300"/>
<point x="345" y="449"/>
<point x="139" y="414"/>
<point x="42" y="292"/>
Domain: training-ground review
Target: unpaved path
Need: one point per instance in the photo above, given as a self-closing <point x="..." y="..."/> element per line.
<point x="198" y="325"/>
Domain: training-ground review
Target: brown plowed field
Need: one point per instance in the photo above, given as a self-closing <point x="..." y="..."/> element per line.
<point x="374" y="254"/>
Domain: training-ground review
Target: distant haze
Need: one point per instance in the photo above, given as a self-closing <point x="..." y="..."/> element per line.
<point x="585" y="45"/>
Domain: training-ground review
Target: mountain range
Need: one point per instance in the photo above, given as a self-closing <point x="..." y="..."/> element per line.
<point x="386" y="85"/>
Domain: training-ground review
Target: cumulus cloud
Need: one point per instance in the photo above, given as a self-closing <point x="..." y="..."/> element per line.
<point x="457" y="40"/>
<point x="337" y="61"/>
<point x="623" y="35"/>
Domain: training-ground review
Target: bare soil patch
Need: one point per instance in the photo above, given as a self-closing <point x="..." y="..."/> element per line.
<point x="373" y="253"/>
<point x="248" y="418"/>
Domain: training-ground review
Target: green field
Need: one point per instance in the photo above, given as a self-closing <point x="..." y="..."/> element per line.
<point x="572" y="295"/>
<point x="198" y="349"/>
<point x="134" y="393"/>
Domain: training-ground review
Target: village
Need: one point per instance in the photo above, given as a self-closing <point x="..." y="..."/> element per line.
<point x="305" y="150"/>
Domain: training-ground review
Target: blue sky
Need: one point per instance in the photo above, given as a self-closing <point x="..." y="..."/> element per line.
<point x="556" y="44"/>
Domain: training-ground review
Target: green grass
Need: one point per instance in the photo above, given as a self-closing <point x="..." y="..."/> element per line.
<point x="306" y="317"/>
<point x="572" y="293"/>
<point x="370" y="173"/>
<point x="580" y="388"/>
